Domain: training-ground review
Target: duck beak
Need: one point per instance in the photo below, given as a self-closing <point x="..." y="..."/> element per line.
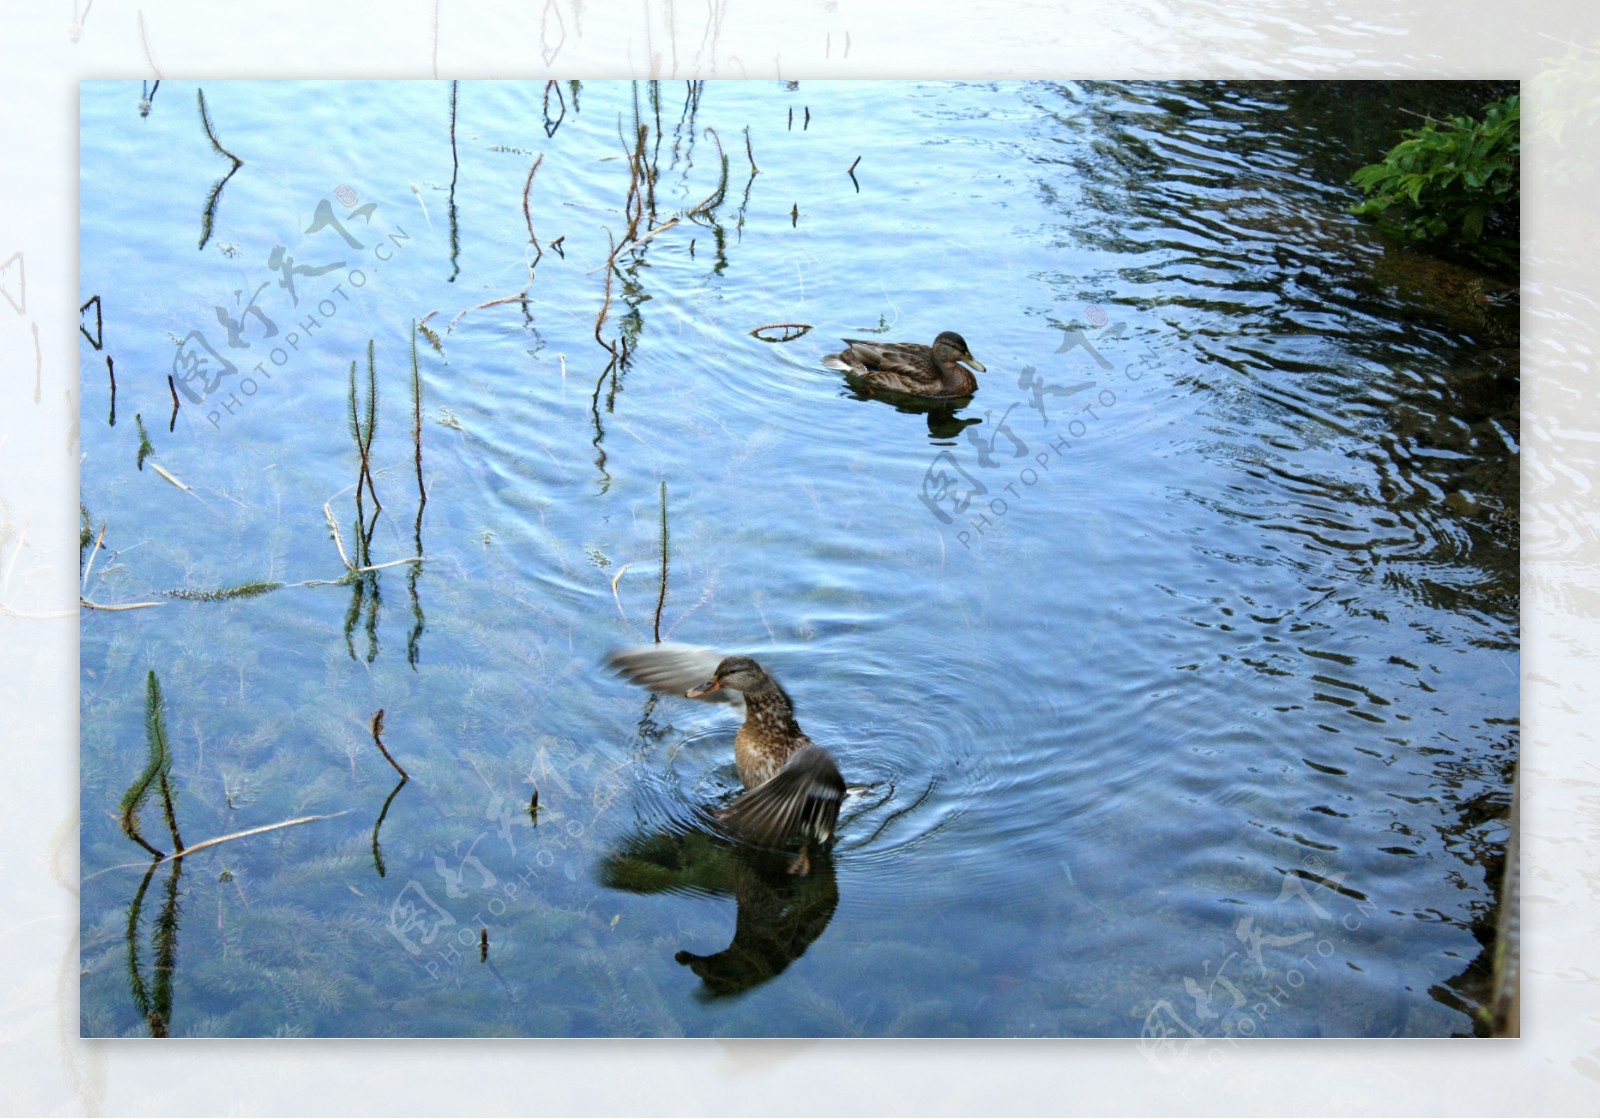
<point x="974" y="362"/>
<point x="704" y="689"/>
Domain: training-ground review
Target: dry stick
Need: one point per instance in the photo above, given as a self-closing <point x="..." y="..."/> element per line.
<point x="253" y="831"/>
<point x="377" y="729"/>
<point x="662" y="228"/>
<point x="97" y="606"/>
<point x="157" y="467"/>
<point x="338" y="539"/>
<point x="614" y="594"/>
<point x="90" y="565"/>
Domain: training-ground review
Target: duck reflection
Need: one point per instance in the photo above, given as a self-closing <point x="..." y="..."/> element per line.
<point x="944" y="420"/>
<point x="779" y="913"/>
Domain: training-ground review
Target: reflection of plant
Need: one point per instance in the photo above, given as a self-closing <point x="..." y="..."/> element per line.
<point x="1448" y="181"/>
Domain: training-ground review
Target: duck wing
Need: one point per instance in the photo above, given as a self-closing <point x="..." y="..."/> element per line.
<point x="672" y="669"/>
<point x="802" y="798"/>
<point x="907" y="366"/>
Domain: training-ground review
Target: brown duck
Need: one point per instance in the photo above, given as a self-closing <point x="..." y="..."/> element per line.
<point x="793" y="788"/>
<point x="910" y="367"/>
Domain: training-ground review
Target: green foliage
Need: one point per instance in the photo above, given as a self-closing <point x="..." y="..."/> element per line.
<point x="1447" y="182"/>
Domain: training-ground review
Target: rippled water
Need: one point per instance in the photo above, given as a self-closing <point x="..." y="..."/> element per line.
<point x="1176" y="674"/>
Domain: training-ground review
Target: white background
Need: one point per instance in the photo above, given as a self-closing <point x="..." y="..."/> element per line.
<point x="46" y="47"/>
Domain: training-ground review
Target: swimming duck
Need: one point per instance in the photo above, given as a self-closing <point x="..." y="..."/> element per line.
<point x="793" y="788"/>
<point x="910" y="367"/>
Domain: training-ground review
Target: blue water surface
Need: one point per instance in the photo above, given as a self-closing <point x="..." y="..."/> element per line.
<point x="1175" y="674"/>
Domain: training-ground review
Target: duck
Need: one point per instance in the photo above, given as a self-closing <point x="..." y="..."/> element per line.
<point x="910" y="367"/>
<point x="793" y="788"/>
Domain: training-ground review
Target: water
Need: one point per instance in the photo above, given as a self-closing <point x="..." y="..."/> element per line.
<point x="1177" y="672"/>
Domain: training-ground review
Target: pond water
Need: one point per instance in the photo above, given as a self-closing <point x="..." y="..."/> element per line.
<point x="1176" y="673"/>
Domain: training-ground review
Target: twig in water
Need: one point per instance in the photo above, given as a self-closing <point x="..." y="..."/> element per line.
<point x="416" y="424"/>
<point x="711" y="203"/>
<point x="187" y="851"/>
<point x="661" y="599"/>
<point x="526" y="213"/>
<point x="852" y="174"/>
<point x="327" y="509"/>
<point x="605" y="307"/>
<point x="173" y="389"/>
<point x="99" y="540"/>
<point x="614" y="594"/>
<point x="611" y="261"/>
<point x="84" y="602"/>
<point x="377" y="730"/>
<point x="156" y="466"/>
<point x="97" y="339"/>
<point x="790" y="331"/>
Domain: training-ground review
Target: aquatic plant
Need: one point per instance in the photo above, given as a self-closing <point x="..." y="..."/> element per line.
<point x="158" y="764"/>
<point x="1455" y="182"/>
<point x="243" y="590"/>
<point x="208" y="217"/>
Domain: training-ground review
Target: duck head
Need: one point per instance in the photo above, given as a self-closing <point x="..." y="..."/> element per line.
<point x="741" y="674"/>
<point x="951" y="347"/>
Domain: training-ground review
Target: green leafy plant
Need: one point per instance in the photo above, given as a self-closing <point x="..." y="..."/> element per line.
<point x="1455" y="182"/>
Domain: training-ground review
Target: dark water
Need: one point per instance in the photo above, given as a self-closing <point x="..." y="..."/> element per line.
<point x="1178" y="670"/>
